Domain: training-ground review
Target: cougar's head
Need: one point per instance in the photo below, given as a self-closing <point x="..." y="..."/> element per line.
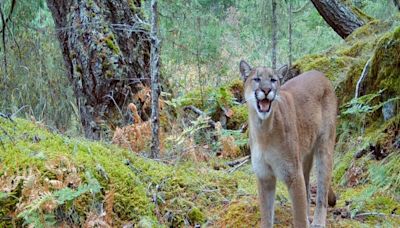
<point x="261" y="88"/>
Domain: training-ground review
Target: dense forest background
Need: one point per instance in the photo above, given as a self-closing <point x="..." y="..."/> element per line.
<point x="77" y="70"/>
<point x="202" y="42"/>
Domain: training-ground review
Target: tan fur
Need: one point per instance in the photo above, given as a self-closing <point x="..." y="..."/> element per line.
<point x="299" y="127"/>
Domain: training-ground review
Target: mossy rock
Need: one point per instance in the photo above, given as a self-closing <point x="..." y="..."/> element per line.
<point x="346" y="88"/>
<point x="332" y="66"/>
<point x="369" y="30"/>
<point x="385" y="66"/>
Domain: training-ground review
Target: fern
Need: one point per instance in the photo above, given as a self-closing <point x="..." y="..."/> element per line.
<point x="33" y="213"/>
<point x="362" y="105"/>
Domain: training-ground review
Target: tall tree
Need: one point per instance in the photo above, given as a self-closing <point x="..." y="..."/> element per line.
<point x="155" y="88"/>
<point x="341" y="18"/>
<point x="290" y="32"/>
<point x="274" y="33"/>
<point x="106" y="53"/>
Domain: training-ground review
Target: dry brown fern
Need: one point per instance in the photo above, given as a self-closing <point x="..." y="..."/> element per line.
<point x="109" y="204"/>
<point x="137" y="136"/>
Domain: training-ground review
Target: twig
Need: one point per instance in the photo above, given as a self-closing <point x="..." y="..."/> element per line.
<point x="233" y="169"/>
<point x="15" y="113"/>
<point x="363" y="75"/>
<point x="116" y="105"/>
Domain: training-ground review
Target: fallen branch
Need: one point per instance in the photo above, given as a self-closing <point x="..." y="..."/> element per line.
<point x="200" y="113"/>
<point x="233" y="169"/>
<point x="362" y="77"/>
<point x="237" y="161"/>
<point x="5" y="116"/>
<point x="375" y="214"/>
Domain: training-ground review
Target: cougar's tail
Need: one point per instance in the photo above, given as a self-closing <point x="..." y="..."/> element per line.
<point x="331" y="197"/>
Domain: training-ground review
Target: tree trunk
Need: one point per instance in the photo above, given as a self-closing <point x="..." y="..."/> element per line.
<point x="274" y="34"/>
<point x="290" y="33"/>
<point x="342" y="20"/>
<point x="397" y="4"/>
<point x="106" y="52"/>
<point x="155" y="91"/>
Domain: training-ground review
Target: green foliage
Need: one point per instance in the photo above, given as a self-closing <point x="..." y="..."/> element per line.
<point x="33" y="215"/>
<point x="203" y="41"/>
<point x="34" y="77"/>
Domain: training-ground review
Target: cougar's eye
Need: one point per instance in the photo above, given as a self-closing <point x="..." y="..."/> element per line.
<point x="273" y="80"/>
<point x="257" y="79"/>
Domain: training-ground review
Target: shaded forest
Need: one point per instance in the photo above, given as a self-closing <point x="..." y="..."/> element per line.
<point x="132" y="114"/>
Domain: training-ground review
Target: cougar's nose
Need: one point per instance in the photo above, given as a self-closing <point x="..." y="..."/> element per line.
<point x="260" y="94"/>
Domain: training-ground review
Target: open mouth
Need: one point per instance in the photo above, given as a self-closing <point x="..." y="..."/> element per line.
<point x="264" y="105"/>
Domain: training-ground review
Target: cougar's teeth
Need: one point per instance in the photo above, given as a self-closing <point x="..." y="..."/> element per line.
<point x="264" y="105"/>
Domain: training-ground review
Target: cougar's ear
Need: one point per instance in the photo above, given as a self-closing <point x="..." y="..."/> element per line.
<point x="245" y="69"/>
<point x="282" y="71"/>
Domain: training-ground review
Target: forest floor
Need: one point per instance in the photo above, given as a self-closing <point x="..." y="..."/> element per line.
<point x="47" y="179"/>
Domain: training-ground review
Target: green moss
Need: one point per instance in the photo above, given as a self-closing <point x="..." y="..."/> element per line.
<point x="236" y="88"/>
<point x="372" y="28"/>
<point x="111" y="43"/>
<point x="196" y="98"/>
<point x="341" y="166"/>
<point x="360" y="14"/>
<point x="243" y="213"/>
<point x="196" y="216"/>
<point x="347" y="87"/>
<point x="384" y="72"/>
<point x="239" y="117"/>
<point x="358" y="48"/>
<point x="333" y="67"/>
<point x="180" y="191"/>
<point x="109" y="74"/>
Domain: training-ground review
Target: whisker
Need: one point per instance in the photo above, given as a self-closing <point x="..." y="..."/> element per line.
<point x="277" y="97"/>
<point x="250" y="99"/>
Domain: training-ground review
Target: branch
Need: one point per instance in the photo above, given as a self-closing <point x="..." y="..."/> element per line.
<point x="8" y="17"/>
<point x="237" y="161"/>
<point x="200" y="113"/>
<point x="362" y="77"/>
<point x="239" y="165"/>
<point x="301" y="8"/>
<point x="375" y="214"/>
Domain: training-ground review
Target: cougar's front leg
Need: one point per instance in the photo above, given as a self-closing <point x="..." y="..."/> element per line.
<point x="297" y="192"/>
<point x="266" y="191"/>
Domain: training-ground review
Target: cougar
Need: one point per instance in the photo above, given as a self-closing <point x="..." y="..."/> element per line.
<point x="290" y="126"/>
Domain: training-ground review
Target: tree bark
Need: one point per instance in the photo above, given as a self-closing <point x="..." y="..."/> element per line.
<point x="397" y="4"/>
<point x="155" y="91"/>
<point x="106" y="53"/>
<point x="342" y="20"/>
<point x="274" y="34"/>
<point x="290" y="33"/>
